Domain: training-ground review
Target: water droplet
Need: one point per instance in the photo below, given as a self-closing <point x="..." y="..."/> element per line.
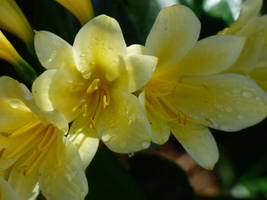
<point x="236" y="91"/>
<point x="229" y="109"/>
<point x="246" y="94"/>
<point x="52" y="56"/>
<point x="146" y="144"/>
<point x="219" y="106"/>
<point x="106" y="138"/>
<point x="258" y="98"/>
<point x="240" y="116"/>
<point x="131" y="154"/>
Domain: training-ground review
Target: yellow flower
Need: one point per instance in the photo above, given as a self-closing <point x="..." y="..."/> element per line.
<point x="82" y="9"/>
<point x="92" y="83"/>
<point x="186" y="95"/>
<point x="34" y="151"/>
<point x="6" y="191"/>
<point x="7" y="51"/>
<point x="9" y="54"/>
<point x="13" y="20"/>
<point x="252" y="61"/>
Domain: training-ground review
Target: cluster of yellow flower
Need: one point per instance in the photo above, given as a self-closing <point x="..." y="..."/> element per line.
<point x="124" y="96"/>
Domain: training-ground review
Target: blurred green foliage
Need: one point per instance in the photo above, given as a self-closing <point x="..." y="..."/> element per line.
<point x="242" y="169"/>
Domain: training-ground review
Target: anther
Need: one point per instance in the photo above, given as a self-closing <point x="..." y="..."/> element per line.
<point x="208" y="120"/>
<point x="85" y="108"/>
<point x="94" y="86"/>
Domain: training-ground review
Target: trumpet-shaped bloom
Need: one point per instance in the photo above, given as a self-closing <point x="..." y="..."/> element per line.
<point x="92" y="83"/>
<point x="35" y="154"/>
<point x="82" y="9"/>
<point x="186" y="95"/>
<point x="13" y="20"/>
<point x="7" y="51"/>
<point x="252" y="61"/>
<point x="9" y="54"/>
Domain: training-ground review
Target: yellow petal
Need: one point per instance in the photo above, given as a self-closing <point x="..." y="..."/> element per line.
<point x="82" y="9"/>
<point x="199" y="143"/>
<point x="6" y="191"/>
<point x="211" y="55"/>
<point x="13" y="20"/>
<point x="160" y="129"/>
<point x="123" y="126"/>
<point x="263" y="21"/>
<point x="56" y="89"/>
<point x="135" y="49"/>
<point x="137" y="72"/>
<point x="262" y="59"/>
<point x="249" y="56"/>
<point x="53" y="52"/>
<point x="25" y="186"/>
<point x="12" y="117"/>
<point x="174" y="32"/>
<point x="61" y="174"/>
<point x="85" y="139"/>
<point x="250" y="9"/>
<point x="228" y="102"/>
<point x="259" y="75"/>
<point x="98" y="46"/>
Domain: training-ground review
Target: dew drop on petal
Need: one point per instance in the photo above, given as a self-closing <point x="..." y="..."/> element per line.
<point x="246" y="94"/>
<point x="106" y="138"/>
<point x="229" y="109"/>
<point x="146" y="144"/>
<point x="240" y="117"/>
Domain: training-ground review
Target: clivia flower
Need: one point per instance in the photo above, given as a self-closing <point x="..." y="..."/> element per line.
<point x="35" y="153"/>
<point x="92" y="83"/>
<point x="82" y="9"/>
<point x="186" y="95"/>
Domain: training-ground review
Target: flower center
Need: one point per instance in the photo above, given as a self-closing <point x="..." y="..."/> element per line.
<point x="96" y="98"/>
<point x="157" y="93"/>
<point x="35" y="139"/>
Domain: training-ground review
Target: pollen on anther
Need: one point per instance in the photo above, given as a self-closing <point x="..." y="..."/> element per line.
<point x="209" y="120"/>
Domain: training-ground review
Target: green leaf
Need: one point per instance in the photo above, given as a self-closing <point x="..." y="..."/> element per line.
<point x="109" y="180"/>
<point x="195" y="5"/>
<point x="223" y="9"/>
<point x="160" y="178"/>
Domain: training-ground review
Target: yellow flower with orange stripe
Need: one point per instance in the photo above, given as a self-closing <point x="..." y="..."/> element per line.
<point x="187" y="94"/>
<point x="35" y="153"/>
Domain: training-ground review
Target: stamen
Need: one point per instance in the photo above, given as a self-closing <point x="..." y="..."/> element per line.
<point x="181" y="78"/>
<point x="5" y="134"/>
<point x="48" y="138"/>
<point x="105" y="102"/>
<point x="205" y="86"/>
<point x="35" y="162"/>
<point x="209" y="120"/>
<point x="25" y="128"/>
<point x="28" y="141"/>
<point x="94" y="86"/>
<point x="93" y="123"/>
<point x="185" y="119"/>
<point x="84" y="111"/>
